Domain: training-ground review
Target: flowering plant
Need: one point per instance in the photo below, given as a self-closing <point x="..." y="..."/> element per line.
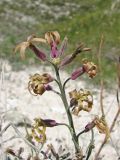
<point x="80" y="100"/>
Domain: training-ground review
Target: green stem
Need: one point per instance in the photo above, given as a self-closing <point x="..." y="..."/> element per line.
<point x="65" y="83"/>
<point x="91" y="145"/>
<point x="80" y="133"/>
<point x="64" y="99"/>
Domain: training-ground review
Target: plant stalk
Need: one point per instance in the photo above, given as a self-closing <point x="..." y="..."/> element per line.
<point x="64" y="99"/>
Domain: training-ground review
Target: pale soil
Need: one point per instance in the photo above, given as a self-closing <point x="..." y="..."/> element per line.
<point x="17" y="102"/>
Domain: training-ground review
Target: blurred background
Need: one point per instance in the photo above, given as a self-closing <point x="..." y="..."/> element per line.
<point x="80" y="20"/>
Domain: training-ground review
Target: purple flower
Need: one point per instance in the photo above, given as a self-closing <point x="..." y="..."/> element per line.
<point x="53" y="39"/>
<point x="63" y="46"/>
<point x="54" y="50"/>
<point x="38" y="53"/>
<point x="55" y="53"/>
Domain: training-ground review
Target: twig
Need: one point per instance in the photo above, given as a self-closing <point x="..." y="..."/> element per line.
<point x="20" y="135"/>
<point x="101" y="74"/>
<point x="53" y="151"/>
<point x="111" y="128"/>
<point x="115" y="147"/>
<point x="116" y="116"/>
<point x="11" y="138"/>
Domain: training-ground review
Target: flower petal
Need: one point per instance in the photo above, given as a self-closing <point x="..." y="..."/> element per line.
<point x="56" y="36"/>
<point x="38" y="40"/>
<point x="78" y="72"/>
<point x="38" y="53"/>
<point x="29" y="38"/>
<point x="54" y="50"/>
<point x="68" y="59"/>
<point x="52" y="36"/>
<point x="63" y="46"/>
<point x="73" y="94"/>
<point x="48" y="37"/>
<point x="22" y="47"/>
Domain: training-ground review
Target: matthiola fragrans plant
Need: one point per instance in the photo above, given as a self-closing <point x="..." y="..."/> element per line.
<point x="80" y="100"/>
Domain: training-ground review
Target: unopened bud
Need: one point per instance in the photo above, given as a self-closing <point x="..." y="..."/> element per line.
<point x="89" y="126"/>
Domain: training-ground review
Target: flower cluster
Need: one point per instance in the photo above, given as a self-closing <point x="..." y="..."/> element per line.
<point x="53" y="39"/>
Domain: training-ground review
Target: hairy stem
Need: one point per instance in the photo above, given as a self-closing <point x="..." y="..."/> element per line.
<point x="64" y="99"/>
<point x="91" y="145"/>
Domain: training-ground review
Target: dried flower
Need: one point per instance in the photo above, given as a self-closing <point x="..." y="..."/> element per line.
<point x="69" y="58"/>
<point x="39" y="128"/>
<point x="90" y="68"/>
<point x="80" y="48"/>
<point x="52" y="36"/>
<point x="81" y="100"/>
<point x="38" y="83"/>
<point x="46" y="122"/>
<point x="102" y="126"/>
<point x="38" y="132"/>
<point x="53" y="39"/>
<point x="29" y="43"/>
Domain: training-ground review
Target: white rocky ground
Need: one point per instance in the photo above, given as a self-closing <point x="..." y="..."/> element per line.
<point x="17" y="102"/>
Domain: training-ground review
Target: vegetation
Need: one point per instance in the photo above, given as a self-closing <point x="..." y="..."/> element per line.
<point x="81" y="20"/>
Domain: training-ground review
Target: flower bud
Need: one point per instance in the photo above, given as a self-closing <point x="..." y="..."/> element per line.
<point x="50" y="122"/>
<point x="89" y="126"/>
